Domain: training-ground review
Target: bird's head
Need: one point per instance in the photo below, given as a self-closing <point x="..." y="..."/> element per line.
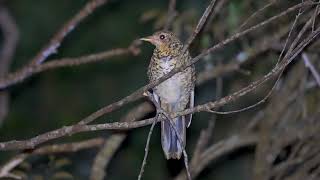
<point x="166" y="42"/>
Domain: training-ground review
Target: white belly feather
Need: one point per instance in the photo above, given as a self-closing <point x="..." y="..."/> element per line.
<point x="170" y="90"/>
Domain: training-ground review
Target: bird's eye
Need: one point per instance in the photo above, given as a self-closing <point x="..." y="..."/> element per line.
<point x="162" y="37"/>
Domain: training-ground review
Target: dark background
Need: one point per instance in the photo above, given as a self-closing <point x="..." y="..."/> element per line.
<point x="64" y="96"/>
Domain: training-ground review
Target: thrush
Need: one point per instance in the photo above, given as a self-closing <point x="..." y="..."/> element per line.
<point x="174" y="94"/>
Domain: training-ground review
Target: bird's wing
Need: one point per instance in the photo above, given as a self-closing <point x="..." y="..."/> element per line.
<point x="191" y="105"/>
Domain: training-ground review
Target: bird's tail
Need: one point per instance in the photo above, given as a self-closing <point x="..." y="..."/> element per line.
<point x="171" y="145"/>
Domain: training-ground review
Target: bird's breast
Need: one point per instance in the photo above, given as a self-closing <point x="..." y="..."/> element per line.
<point x="171" y="89"/>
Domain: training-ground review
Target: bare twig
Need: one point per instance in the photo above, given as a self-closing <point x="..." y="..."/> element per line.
<point x="87" y="59"/>
<point x="5" y="171"/>
<point x="146" y="151"/>
<point x="200" y="24"/>
<point x="91" y="58"/>
<point x="171" y="14"/>
<point x="313" y="70"/>
<point x="256" y="13"/>
<point x="52" y="46"/>
<point x="215" y="12"/>
<point x="315" y="16"/>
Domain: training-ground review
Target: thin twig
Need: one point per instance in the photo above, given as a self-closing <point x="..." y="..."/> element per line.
<point x="315" y="16"/>
<point x="146" y="151"/>
<point x="200" y="25"/>
<point x="56" y="40"/>
<point x="171" y="14"/>
<point x="256" y="13"/>
<point x="91" y="58"/>
<point x="311" y="67"/>
<point x="76" y="61"/>
<point x="215" y="12"/>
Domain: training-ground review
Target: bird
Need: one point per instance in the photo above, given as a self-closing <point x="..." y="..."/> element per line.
<point x="174" y="94"/>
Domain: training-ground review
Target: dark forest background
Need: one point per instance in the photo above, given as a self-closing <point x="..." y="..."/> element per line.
<point x="61" y="97"/>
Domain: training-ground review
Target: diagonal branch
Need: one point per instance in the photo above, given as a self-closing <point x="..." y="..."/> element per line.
<point x="50" y="149"/>
<point x="171" y="14"/>
<point x="91" y="58"/>
<point x="313" y="70"/>
<point x="52" y="46"/>
<point x="200" y="24"/>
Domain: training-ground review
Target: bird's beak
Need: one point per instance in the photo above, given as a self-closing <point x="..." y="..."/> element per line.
<point x="148" y="39"/>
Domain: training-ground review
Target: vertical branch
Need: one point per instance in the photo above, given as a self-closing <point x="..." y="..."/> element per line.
<point x="146" y="150"/>
<point x="171" y="14"/>
<point x="200" y="24"/>
<point x="10" y="33"/>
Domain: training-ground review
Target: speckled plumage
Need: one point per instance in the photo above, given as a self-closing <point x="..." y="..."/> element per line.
<point x="176" y="93"/>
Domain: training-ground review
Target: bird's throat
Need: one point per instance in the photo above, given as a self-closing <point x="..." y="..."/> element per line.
<point x="164" y="51"/>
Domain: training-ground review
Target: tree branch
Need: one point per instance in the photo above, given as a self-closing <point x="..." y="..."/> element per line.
<point x="52" y="46"/>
